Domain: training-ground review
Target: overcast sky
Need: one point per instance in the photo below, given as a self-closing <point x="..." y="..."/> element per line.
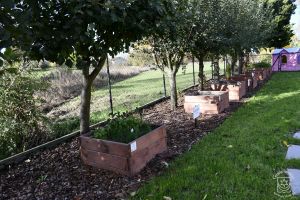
<point x="296" y="19"/>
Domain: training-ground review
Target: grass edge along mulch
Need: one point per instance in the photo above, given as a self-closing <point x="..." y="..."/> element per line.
<point x="239" y="159"/>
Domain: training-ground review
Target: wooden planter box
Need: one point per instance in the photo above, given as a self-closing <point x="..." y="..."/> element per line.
<point x="255" y="78"/>
<point x="236" y="90"/>
<point x="211" y="102"/>
<point x="262" y="74"/>
<point x="249" y="80"/>
<point x="127" y="159"/>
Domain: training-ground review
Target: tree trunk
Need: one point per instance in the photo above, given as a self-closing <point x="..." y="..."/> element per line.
<point x="233" y="62"/>
<point x="216" y="68"/>
<point x="86" y="94"/>
<point x="241" y="62"/>
<point x="85" y="109"/>
<point x="247" y="57"/>
<point x="201" y="72"/>
<point x="173" y="90"/>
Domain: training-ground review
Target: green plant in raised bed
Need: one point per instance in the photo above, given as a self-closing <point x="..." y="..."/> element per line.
<point x="123" y="129"/>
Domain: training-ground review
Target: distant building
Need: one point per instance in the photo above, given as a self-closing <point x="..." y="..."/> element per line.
<point x="287" y="59"/>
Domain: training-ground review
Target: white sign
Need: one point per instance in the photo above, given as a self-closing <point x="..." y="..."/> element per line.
<point x="196" y="112"/>
<point x="133" y="146"/>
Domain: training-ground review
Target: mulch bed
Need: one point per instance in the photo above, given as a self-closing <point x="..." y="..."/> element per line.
<point x="59" y="173"/>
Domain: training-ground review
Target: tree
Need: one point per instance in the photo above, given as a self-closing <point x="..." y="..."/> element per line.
<point x="207" y="32"/>
<point x="169" y="42"/>
<point x="84" y="32"/>
<point x="282" y="32"/>
<point x="227" y="27"/>
<point x="139" y="56"/>
<point x="247" y="27"/>
<point x="11" y="21"/>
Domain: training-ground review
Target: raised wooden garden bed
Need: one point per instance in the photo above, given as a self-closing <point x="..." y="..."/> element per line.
<point x="249" y="80"/>
<point x="262" y="73"/>
<point x="211" y="102"/>
<point x="254" y="76"/>
<point x="236" y="89"/>
<point x="127" y="159"/>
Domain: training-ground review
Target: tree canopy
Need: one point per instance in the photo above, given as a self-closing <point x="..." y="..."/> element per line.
<point x="78" y="32"/>
<point x="169" y="42"/>
<point x="228" y="27"/>
<point x="83" y="33"/>
<point x="88" y="29"/>
<point x="282" y="32"/>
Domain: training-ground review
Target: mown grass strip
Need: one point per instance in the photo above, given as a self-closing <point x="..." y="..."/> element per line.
<point x="239" y="159"/>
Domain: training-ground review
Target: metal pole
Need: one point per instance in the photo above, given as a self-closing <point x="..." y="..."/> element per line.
<point x="224" y="59"/>
<point x="212" y="69"/>
<point x="109" y="88"/>
<point x="194" y="78"/>
<point x="279" y="62"/>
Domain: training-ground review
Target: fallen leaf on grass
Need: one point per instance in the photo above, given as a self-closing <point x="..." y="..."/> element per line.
<point x="165" y="164"/>
<point x="248" y="167"/>
<point x="167" y="198"/>
<point x="132" y="194"/>
<point x="285" y="143"/>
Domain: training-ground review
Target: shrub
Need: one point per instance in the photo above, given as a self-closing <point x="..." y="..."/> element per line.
<point x="141" y="57"/>
<point x="266" y="58"/>
<point x="21" y="123"/>
<point x="123" y="129"/>
<point x="261" y="65"/>
<point x="63" y="127"/>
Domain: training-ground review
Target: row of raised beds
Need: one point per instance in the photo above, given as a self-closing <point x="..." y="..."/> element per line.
<point x="126" y="144"/>
<point x="221" y="92"/>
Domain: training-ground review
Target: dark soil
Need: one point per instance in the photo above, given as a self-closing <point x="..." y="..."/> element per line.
<point x="222" y="81"/>
<point x="60" y="174"/>
<point x="225" y="82"/>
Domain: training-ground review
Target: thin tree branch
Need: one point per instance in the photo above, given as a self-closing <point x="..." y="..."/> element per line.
<point x="98" y="68"/>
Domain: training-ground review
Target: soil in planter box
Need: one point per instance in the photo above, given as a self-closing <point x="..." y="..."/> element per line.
<point x="195" y="91"/>
<point x="223" y="84"/>
<point x="237" y="89"/>
<point x="123" y="129"/>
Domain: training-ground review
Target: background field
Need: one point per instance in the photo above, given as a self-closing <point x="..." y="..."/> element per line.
<point x="127" y="95"/>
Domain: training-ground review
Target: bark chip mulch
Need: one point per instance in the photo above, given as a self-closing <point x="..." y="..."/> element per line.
<point x="59" y="173"/>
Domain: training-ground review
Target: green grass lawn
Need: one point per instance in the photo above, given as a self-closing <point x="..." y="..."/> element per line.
<point x="127" y="95"/>
<point x="239" y="159"/>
